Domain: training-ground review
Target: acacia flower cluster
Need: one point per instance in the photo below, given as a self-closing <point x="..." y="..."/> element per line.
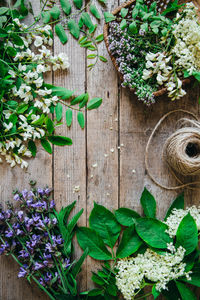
<point x="159" y="269"/>
<point x="154" y="52"/>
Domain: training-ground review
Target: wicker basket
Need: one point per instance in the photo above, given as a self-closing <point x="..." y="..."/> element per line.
<point x="130" y="4"/>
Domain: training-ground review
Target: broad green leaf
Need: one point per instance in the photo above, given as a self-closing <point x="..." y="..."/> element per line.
<point x="58" y="111"/>
<point x="178" y="203"/>
<point x="186" y="293"/>
<point x="89" y="238"/>
<point x="155" y="293"/>
<point x="84" y="101"/>
<point x="172" y="292"/>
<point x="78" y="99"/>
<point x="123" y="24"/>
<point x="94" y="103"/>
<point x="94" y="11"/>
<point x="144" y="27"/>
<point x="72" y="223"/>
<point x="109" y="17"/>
<point x="46" y="16"/>
<point x="11" y="51"/>
<point x="152" y="232"/>
<point x="133" y="28"/>
<point x="85" y="17"/>
<point x="195" y="276"/>
<point x="45" y="144"/>
<point x="187" y="234"/>
<point x="124" y="12"/>
<point x="32" y="147"/>
<point x="17" y="39"/>
<point x="22" y="108"/>
<point x="73" y="28"/>
<point x="50" y="125"/>
<point x="129" y="243"/>
<point x="104" y="222"/>
<point x="60" y="140"/>
<point x="81" y="119"/>
<point x="77" y="266"/>
<point x="66" y="6"/>
<point x="69" y="117"/>
<point x="99" y="38"/>
<point x="196" y="75"/>
<point x="126" y="216"/>
<point x="78" y="3"/>
<point x="61" y="33"/>
<point x="148" y="203"/>
<point x="55" y="12"/>
<point x="3" y="10"/>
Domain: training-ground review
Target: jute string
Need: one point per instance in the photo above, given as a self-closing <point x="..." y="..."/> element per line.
<point x="181" y="150"/>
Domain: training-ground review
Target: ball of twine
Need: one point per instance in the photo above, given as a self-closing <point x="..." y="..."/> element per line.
<point x="182" y="148"/>
<point x="181" y="151"/>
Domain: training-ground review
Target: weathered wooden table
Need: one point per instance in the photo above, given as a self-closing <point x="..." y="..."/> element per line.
<point x="112" y="178"/>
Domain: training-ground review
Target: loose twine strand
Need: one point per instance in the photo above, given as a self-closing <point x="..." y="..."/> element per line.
<point x="174" y="151"/>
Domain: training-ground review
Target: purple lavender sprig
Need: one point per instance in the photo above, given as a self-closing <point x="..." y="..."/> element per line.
<point x="39" y="239"/>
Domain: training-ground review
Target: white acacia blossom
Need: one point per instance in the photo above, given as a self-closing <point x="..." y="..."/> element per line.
<point x="161" y="269"/>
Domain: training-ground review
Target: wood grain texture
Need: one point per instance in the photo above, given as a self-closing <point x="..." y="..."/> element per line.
<point x="106" y="159"/>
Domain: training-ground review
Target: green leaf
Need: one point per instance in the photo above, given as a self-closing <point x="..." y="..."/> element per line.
<point x="123" y="24"/>
<point x="95" y="11"/>
<point x="22" y="108"/>
<point x="77" y="266"/>
<point x="187" y="234"/>
<point x="105" y="224"/>
<point x="129" y="243"/>
<point x="95" y="292"/>
<point x="195" y="276"/>
<point x="69" y="117"/>
<point x="144" y="27"/>
<point x="60" y="140"/>
<point x="172" y="293"/>
<point x="89" y="238"/>
<point x="32" y="147"/>
<point x="60" y="91"/>
<point x="55" y="12"/>
<point x="45" y="144"/>
<point x="148" y="203"/>
<point x="133" y="28"/>
<point x="58" y="111"/>
<point x="94" y="103"/>
<point x="102" y="58"/>
<point x="73" y="28"/>
<point x="99" y="38"/>
<point x="61" y="33"/>
<point x="126" y="216"/>
<point x="152" y="232"/>
<point x="85" y="17"/>
<point x="81" y="119"/>
<point x="155" y="293"/>
<point x="72" y="223"/>
<point x="17" y="39"/>
<point x="50" y="125"/>
<point x="66" y="6"/>
<point x="3" y="10"/>
<point x="178" y="203"/>
<point x="196" y="75"/>
<point x="109" y="17"/>
<point x="186" y="293"/>
<point x="78" y="3"/>
<point x="46" y="16"/>
<point x="11" y="51"/>
<point x="78" y="99"/>
<point x="84" y="101"/>
<point x="124" y="12"/>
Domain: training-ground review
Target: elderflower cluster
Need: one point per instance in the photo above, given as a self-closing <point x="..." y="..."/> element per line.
<point x="28" y="99"/>
<point x="177" y="215"/>
<point x="161" y="269"/>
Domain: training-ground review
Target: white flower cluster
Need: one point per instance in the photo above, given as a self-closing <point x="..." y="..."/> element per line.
<point x="31" y="61"/>
<point x="168" y="66"/>
<point x="151" y="266"/>
<point x="177" y="215"/>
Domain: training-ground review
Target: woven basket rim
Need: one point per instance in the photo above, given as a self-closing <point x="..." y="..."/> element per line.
<point x="157" y="93"/>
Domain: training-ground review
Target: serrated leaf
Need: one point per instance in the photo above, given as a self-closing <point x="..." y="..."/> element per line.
<point x="45" y="144"/>
<point x="148" y="203"/>
<point x="61" y="33"/>
<point x="60" y="140"/>
<point x="81" y="119"/>
<point x="66" y="6"/>
<point x="129" y="243"/>
<point x="32" y="147"/>
<point x="88" y="238"/>
<point x="69" y="117"/>
<point x="95" y="12"/>
<point x="94" y="103"/>
<point x="58" y="111"/>
<point x="73" y="28"/>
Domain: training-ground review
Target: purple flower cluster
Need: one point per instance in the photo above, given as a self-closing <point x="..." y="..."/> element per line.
<point x="31" y="233"/>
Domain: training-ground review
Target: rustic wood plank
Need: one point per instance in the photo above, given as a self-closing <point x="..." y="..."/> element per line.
<point x="70" y="162"/>
<point x="102" y="139"/>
